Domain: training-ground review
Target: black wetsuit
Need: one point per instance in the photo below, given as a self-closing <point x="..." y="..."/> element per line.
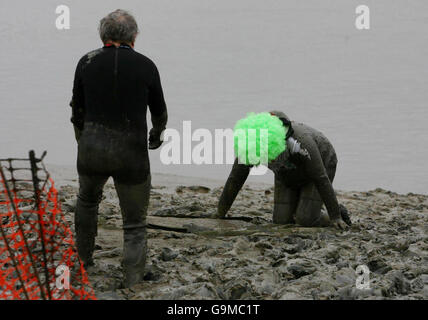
<point x="302" y="182"/>
<point x="112" y="88"/>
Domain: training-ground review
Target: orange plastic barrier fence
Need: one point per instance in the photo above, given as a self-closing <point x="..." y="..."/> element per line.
<point x="38" y="259"/>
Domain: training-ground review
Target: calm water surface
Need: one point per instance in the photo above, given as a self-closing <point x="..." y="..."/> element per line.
<point x="366" y="90"/>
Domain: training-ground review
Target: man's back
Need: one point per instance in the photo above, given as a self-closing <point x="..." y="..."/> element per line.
<point x="113" y="87"/>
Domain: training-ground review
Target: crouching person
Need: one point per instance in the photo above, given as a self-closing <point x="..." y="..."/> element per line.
<point x="304" y="164"/>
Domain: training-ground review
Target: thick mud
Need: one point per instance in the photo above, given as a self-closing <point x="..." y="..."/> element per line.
<point x="247" y="257"/>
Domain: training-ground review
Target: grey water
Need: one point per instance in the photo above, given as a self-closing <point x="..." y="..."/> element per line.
<point x="365" y="89"/>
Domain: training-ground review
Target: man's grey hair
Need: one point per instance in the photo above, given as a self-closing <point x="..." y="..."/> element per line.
<point x="119" y="26"/>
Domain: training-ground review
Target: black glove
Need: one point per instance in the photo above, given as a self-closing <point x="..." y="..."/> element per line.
<point x="155" y="139"/>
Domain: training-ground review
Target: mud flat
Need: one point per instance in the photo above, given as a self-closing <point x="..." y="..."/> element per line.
<point x="194" y="257"/>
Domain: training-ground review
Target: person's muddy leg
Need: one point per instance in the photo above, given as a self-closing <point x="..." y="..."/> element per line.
<point x="86" y="215"/>
<point x="308" y="212"/>
<point x="285" y="203"/>
<point x="134" y="202"/>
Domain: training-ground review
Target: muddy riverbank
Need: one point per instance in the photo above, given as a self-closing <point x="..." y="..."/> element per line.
<point x="247" y="257"/>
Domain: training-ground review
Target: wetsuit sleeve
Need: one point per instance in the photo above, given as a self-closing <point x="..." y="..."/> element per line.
<point x="233" y="185"/>
<point x="77" y="103"/>
<point x="316" y="171"/>
<point x="157" y="105"/>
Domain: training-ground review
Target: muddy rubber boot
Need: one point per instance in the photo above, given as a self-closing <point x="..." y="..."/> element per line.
<point x="134" y="255"/>
<point x="86" y="215"/>
<point x="134" y="201"/>
<point x="85" y="220"/>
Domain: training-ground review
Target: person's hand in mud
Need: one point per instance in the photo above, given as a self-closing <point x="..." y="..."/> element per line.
<point x="155" y="140"/>
<point x="339" y="224"/>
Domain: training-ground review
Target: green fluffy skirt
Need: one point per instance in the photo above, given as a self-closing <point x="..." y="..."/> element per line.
<point x="259" y="138"/>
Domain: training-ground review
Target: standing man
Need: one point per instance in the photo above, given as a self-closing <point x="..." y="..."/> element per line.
<point x="113" y="86"/>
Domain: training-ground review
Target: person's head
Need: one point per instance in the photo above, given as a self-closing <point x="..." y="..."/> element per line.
<point x="259" y="138"/>
<point x="118" y="27"/>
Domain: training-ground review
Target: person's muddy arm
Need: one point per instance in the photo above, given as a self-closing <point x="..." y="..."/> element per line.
<point x="316" y="171"/>
<point x="77" y="103"/>
<point x="233" y="185"/>
<point x="158" y="111"/>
